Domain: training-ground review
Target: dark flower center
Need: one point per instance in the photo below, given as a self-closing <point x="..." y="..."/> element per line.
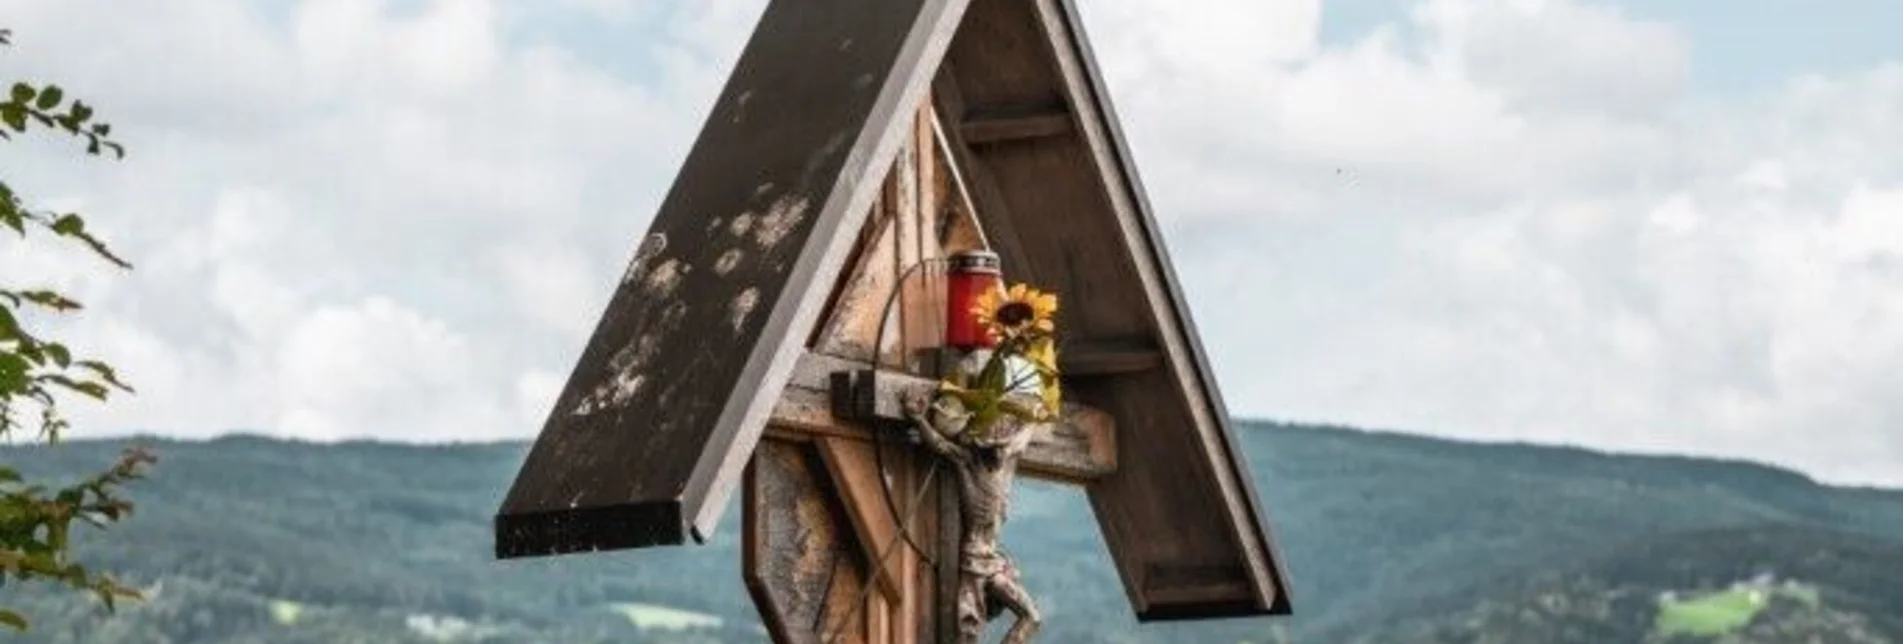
<point x="1015" y="313"/>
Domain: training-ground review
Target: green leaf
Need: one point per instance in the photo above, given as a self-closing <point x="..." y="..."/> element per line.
<point x="23" y="93"/>
<point x="95" y="366"/>
<point x="39" y="561"/>
<point x="14" y="116"/>
<point x="32" y="352"/>
<point x="69" y="225"/>
<point x="9" y="327"/>
<point x="51" y="300"/>
<point x="105" y="372"/>
<point x="992" y="377"/>
<point x="12" y="373"/>
<point x="13" y="620"/>
<point x="92" y="390"/>
<point x="982" y="420"/>
<point x="59" y="353"/>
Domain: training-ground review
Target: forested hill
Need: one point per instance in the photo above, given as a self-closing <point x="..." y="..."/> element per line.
<point x="1390" y="538"/>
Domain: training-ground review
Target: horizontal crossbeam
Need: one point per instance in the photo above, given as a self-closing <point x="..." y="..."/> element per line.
<point x="998" y="125"/>
<point x="1109" y="357"/>
<point x="1078" y="449"/>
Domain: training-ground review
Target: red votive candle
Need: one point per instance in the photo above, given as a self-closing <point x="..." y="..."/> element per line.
<point x="970" y="275"/>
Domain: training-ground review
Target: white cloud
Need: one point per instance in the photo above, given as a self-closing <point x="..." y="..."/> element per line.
<point x="352" y="217"/>
<point x="1558" y="55"/>
<point x="1514" y="220"/>
<point x="536" y="392"/>
<point x="372" y="367"/>
<point x="1505" y="219"/>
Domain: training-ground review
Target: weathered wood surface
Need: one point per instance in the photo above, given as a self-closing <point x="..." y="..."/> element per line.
<point x="673" y="389"/>
<point x="814" y="524"/>
<point x="892" y="505"/>
<point x="793" y="523"/>
<point x="1257" y="583"/>
<point x="1064" y="210"/>
<point x="1080" y="448"/>
<point x="856" y="469"/>
<point x="858" y="311"/>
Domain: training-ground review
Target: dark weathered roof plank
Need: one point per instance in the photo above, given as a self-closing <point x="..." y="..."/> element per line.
<point x="672" y="391"/>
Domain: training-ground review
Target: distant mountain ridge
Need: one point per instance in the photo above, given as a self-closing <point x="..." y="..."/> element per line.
<point x="1389" y="537"/>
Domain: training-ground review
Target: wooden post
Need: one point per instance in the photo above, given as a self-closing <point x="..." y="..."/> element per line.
<point x="851" y="532"/>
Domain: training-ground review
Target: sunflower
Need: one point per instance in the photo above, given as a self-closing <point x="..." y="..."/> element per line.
<point x="1011" y="313"/>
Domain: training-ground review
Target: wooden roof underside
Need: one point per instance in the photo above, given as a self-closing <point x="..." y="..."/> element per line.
<point x="1062" y="205"/>
<point x="677" y="409"/>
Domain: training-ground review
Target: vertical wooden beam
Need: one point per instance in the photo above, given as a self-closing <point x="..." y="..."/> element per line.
<point x="946" y="572"/>
<point x="928" y="181"/>
<point x="903" y="197"/>
<point x="855" y="473"/>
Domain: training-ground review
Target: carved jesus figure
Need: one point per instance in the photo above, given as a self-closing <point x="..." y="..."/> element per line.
<point x="988" y="582"/>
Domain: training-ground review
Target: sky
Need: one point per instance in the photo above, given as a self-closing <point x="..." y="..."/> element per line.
<point x="1650" y="226"/>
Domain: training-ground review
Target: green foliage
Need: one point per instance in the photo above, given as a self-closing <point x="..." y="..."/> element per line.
<point x="1026" y="353"/>
<point x="36" y="521"/>
<point x="1764" y="584"/>
<point x="1388" y="539"/>
<point x="1711" y="614"/>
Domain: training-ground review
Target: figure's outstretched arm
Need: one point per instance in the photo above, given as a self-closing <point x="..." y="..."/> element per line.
<point x="930" y="435"/>
<point x="916" y="408"/>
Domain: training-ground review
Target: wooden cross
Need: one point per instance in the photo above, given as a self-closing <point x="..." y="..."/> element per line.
<point x="743" y="345"/>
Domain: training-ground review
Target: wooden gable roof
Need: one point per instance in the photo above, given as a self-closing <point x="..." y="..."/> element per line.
<point x="671" y="395"/>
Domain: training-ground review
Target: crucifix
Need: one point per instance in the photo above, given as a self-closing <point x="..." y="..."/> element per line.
<point x="790" y="308"/>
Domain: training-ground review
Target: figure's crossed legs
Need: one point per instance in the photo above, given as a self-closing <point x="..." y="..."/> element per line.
<point x="983" y="597"/>
<point x="1005" y="589"/>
